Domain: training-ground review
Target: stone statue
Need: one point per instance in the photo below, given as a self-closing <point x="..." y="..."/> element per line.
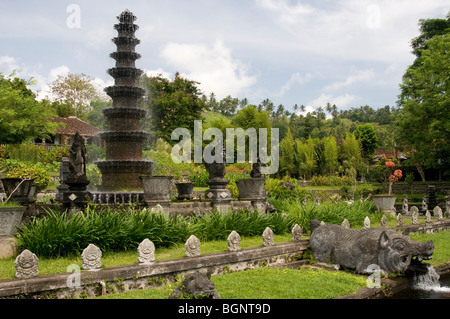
<point x="77" y="158"/>
<point x="405" y="204"/>
<point x="91" y="258"/>
<point x="268" y="237"/>
<point x="26" y="265"/>
<point x="192" y="247"/>
<point x="367" y="222"/>
<point x="360" y="248"/>
<point x="297" y="233"/>
<point x="399" y="220"/>
<point x="256" y="169"/>
<point x="234" y="241"/>
<point x="415" y="217"/>
<point x="216" y="170"/>
<point x="197" y="286"/>
<point x="346" y="223"/>
<point x="424" y="203"/>
<point x="384" y="222"/>
<point x="146" y="252"/>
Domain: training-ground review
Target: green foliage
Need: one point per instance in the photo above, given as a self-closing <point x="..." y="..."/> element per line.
<point x="33" y="153"/>
<point x="287" y="155"/>
<point x="424" y="121"/>
<point x="26" y="170"/>
<point x="329" y="212"/>
<point x="306" y="157"/>
<point x="368" y="138"/>
<point x="21" y="116"/>
<point x="330" y="154"/>
<point x="332" y="180"/>
<point x="172" y="104"/>
<point x="62" y="234"/>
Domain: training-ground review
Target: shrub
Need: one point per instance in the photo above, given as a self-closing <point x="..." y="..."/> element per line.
<point x="26" y="170"/>
<point x="332" y="180"/>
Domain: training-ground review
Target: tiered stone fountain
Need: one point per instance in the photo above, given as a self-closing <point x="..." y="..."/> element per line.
<point x="124" y="140"/>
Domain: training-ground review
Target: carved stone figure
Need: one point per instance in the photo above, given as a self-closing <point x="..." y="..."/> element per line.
<point x="268" y="237"/>
<point x="366" y="222"/>
<point x="256" y="169"/>
<point x="26" y="265"/>
<point x="297" y="233"/>
<point x="437" y="212"/>
<point x="91" y="258"/>
<point x="413" y="210"/>
<point x="415" y="217"/>
<point x="399" y="220"/>
<point x="359" y="248"/>
<point x="428" y="216"/>
<point x="146" y="252"/>
<point x="192" y="247"/>
<point x="234" y="241"/>
<point x="77" y="158"/>
<point x="384" y="222"/>
<point x="216" y="170"/>
<point x="405" y="204"/>
<point x="346" y="224"/>
<point x="424" y="203"/>
<point x="196" y="285"/>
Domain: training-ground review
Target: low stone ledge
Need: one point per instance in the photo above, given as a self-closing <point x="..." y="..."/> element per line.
<point x="139" y="276"/>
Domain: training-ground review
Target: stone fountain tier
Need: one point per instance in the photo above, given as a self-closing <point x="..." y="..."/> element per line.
<point x="126" y="44"/>
<point x="125" y="72"/>
<point x="126" y="28"/>
<point x="122" y="57"/>
<point x="124" y="91"/>
<point x="124" y="145"/>
<point x="120" y="175"/>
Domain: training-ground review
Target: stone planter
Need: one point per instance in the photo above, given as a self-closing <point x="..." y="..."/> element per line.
<point x="385" y="203"/>
<point x="184" y="190"/>
<point x="156" y="188"/>
<point x="251" y="188"/>
<point x="10" y="218"/>
<point x="23" y="194"/>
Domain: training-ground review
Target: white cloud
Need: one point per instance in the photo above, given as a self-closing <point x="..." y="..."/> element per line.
<point x="158" y="72"/>
<point x="295" y="79"/>
<point x="8" y="64"/>
<point x="357" y="77"/>
<point x="212" y="66"/>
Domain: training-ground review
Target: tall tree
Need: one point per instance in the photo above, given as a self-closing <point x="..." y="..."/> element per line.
<point x="424" y="121"/>
<point x="330" y="154"/>
<point x="306" y="157"/>
<point x="172" y="104"/>
<point x="368" y="138"/>
<point x="76" y="89"/>
<point x="21" y="116"/>
<point x="287" y="155"/>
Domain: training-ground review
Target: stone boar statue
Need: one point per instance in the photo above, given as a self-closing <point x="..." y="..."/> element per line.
<point x="197" y="286"/>
<point x="359" y="248"/>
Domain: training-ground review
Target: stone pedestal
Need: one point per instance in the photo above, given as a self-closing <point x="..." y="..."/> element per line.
<point x="252" y="189"/>
<point x="156" y="190"/>
<point x="385" y="203"/>
<point x="76" y="195"/>
<point x="217" y="193"/>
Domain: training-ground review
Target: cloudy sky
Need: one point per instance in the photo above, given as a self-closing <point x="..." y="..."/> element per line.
<point x="347" y="52"/>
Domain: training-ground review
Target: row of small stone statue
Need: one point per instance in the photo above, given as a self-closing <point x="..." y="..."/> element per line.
<point x="406" y="211"/>
<point x="27" y="263"/>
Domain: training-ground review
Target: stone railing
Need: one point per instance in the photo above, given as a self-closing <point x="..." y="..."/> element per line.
<point x="91" y="278"/>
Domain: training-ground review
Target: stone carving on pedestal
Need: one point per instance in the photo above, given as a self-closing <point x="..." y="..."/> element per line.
<point x="268" y="237"/>
<point x="192" y="247"/>
<point x="91" y="258"/>
<point x="346" y="223"/>
<point x="26" y="265"/>
<point x="399" y="220"/>
<point x="146" y="252"/>
<point x="234" y="241"/>
<point x="367" y="223"/>
<point x="297" y="233"/>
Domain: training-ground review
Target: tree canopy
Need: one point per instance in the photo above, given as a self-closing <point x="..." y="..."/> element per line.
<point x="22" y="117"/>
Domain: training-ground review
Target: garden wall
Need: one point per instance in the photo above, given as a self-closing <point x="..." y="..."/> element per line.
<point x="140" y="276"/>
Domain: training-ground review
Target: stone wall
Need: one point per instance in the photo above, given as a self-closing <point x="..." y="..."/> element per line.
<point x="140" y="276"/>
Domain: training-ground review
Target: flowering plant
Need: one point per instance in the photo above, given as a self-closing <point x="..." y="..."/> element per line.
<point x="392" y="177"/>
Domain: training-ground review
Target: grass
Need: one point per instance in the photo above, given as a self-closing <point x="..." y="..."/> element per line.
<point x="268" y="283"/>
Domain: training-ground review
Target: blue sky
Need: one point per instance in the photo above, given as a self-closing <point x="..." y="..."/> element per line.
<point x="349" y="53"/>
